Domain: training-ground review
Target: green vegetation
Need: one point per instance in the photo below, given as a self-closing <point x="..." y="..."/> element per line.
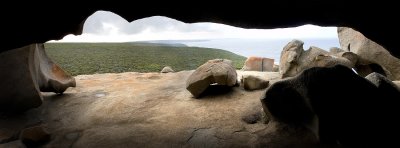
<point x="90" y="58"/>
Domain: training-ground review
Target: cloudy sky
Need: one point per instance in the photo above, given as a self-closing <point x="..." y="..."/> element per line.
<point x="104" y="26"/>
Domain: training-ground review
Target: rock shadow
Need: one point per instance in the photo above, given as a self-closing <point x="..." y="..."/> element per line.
<point x="215" y="91"/>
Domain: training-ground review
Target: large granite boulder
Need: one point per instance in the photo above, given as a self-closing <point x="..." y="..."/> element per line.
<point x="258" y="64"/>
<point x="26" y="72"/>
<point x="370" y="54"/>
<point x="339" y="106"/>
<point x="218" y="71"/>
<point x="294" y="59"/>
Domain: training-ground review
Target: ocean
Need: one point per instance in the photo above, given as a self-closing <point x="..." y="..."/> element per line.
<point x="270" y="48"/>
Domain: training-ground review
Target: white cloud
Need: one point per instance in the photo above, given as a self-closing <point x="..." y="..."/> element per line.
<point x="105" y="26"/>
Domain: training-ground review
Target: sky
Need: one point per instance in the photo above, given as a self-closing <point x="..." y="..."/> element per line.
<point x="105" y="26"/>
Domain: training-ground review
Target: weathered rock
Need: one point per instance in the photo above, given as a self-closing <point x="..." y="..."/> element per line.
<point x="258" y="64"/>
<point x="34" y="136"/>
<point x="13" y="144"/>
<point x="251" y="82"/>
<point x="136" y="113"/>
<point x="26" y="71"/>
<point x="335" y="50"/>
<point x="35" y="72"/>
<point x="294" y="59"/>
<point x="167" y="69"/>
<point x="312" y="99"/>
<point x="369" y="53"/>
<point x="275" y="68"/>
<point x="289" y="55"/>
<point x="219" y="71"/>
<point x="386" y="87"/>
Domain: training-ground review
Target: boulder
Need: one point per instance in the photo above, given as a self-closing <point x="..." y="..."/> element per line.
<point x="217" y="71"/>
<point x="370" y="54"/>
<point x="339" y="106"/>
<point x="167" y="69"/>
<point x="26" y="72"/>
<point x="294" y="59"/>
<point x="251" y="82"/>
<point x="258" y="64"/>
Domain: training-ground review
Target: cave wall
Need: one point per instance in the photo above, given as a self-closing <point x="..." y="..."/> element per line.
<point x="40" y="22"/>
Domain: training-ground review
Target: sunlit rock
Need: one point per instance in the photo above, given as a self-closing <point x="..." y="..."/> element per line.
<point x="294" y="59"/>
<point x="369" y="53"/>
<point x="218" y="71"/>
<point x="167" y="69"/>
<point x="258" y="64"/>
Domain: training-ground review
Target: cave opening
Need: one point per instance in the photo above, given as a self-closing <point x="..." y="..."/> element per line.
<point x="105" y="30"/>
<point x="145" y="107"/>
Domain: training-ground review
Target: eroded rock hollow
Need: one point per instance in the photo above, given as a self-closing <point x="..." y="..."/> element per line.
<point x="26" y="72"/>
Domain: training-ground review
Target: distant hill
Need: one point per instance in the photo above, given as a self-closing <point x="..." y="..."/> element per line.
<point x="90" y="58"/>
<point x="172" y="41"/>
<point x="155" y="43"/>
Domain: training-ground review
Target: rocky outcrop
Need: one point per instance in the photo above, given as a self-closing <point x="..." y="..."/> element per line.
<point x="251" y="82"/>
<point x="312" y="100"/>
<point x="26" y="72"/>
<point x="258" y="64"/>
<point x="370" y="54"/>
<point x="146" y="110"/>
<point x="294" y="59"/>
<point x="167" y="69"/>
<point x="335" y="50"/>
<point x="218" y="71"/>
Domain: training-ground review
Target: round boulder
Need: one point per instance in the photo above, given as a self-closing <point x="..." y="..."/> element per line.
<point x="217" y="71"/>
<point x="167" y="69"/>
